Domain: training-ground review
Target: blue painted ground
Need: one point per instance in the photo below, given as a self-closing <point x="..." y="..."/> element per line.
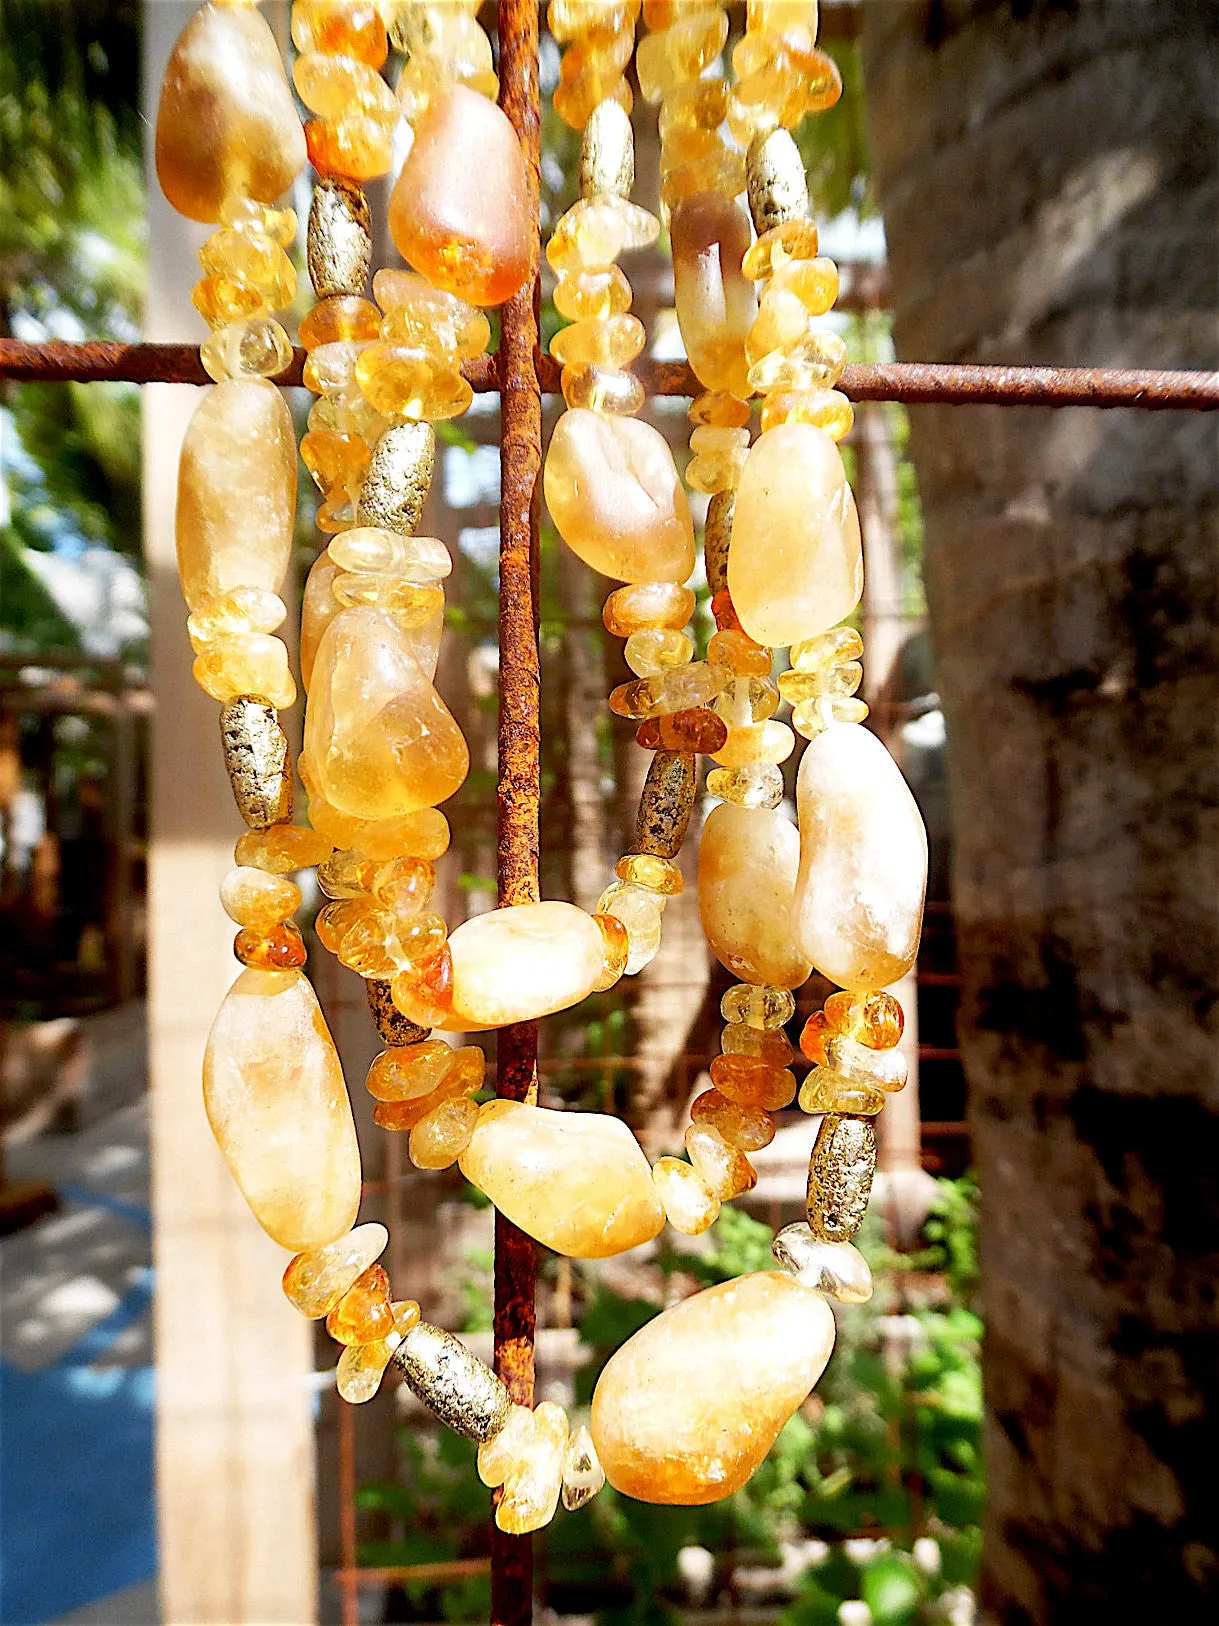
<point x="77" y="1518"/>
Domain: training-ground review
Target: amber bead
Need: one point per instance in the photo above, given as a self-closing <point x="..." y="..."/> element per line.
<point x="221" y="301"/>
<point x="647" y="604"/>
<point x="414" y="1072"/>
<point x="582" y="294"/>
<point x="766" y="1044"/>
<point x="346" y="875"/>
<point x="340" y="28"/>
<point x="648" y="870"/>
<point x="439" y="1138"/>
<point x="825" y="409"/>
<point x="746" y="1128"/>
<point x="418" y="314"/>
<point x="680" y="689"/>
<point x="425" y="992"/>
<point x="824" y="1091"/>
<point x="335" y="87"/>
<point x="616" y="945"/>
<point x="666" y="803"/>
<point x="814" y="1036"/>
<point x="877" y="1021"/>
<point x="718" y="409"/>
<point x="355" y="148"/>
<point x="282" y="849"/>
<point x="280" y="949"/>
<point x="768" y="742"/>
<point x="727" y="1171"/>
<point x="314" y="1282"/>
<point x="257" y="900"/>
<point x="593" y="388"/>
<point x="340" y="319"/>
<point x="758" y="1006"/>
<point x="695" y="729"/>
<point x="404" y="381"/>
<point x="724" y="612"/>
<point x="739" y="652"/>
<point x="753" y="1082"/>
<point x="655" y="650"/>
<point x="606" y="341"/>
<point x="363" y="1314"/>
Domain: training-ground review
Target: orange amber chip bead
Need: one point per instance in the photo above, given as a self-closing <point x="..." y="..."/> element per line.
<point x="764" y="1044"/>
<point x="354" y="148"/>
<point x="340" y="28"/>
<point x="726" y="618"/>
<point x="616" y="947"/>
<point x="279" y="950"/>
<point x="363" y="1314"/>
<point x="753" y="1083"/>
<point x="746" y="1128"/>
<point x="424" y="994"/>
<point x="817" y="1032"/>
<point x="696" y="729"/>
<point x="341" y="319"/>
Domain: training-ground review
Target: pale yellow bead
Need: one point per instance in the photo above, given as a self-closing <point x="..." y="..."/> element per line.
<point x="253" y="898"/>
<point x="315" y="1282"/>
<point x="516" y="964"/>
<point x="437" y="1141"/>
<point x="503" y="1452"/>
<point x="531" y="1492"/>
<point x="689" y="1203"/>
<point x="748" y="862"/>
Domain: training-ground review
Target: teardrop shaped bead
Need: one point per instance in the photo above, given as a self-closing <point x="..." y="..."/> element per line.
<point x="236" y="492"/>
<point x="226" y="124"/>
<point x="577" y="1182"/>
<point x="275" y="1098"/>
<point x="795" y="565"/>
<point x="748" y="860"/>
<point x="716" y="304"/>
<point x="459" y="211"/>
<point x="514" y="964"/>
<point x="614" y="494"/>
<point x="687" y="1409"/>
<point x="315" y="1282"/>
<point x="380" y="740"/>
<point x="858" y="905"/>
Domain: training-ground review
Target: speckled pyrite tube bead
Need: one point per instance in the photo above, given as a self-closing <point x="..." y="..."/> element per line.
<point x="840" y="1175"/>
<point x="454" y="1384"/>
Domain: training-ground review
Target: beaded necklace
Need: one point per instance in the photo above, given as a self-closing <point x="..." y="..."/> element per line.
<point x="688" y="1408"/>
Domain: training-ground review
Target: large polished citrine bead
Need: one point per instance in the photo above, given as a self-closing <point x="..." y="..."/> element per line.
<point x="858" y="905"/>
<point x="226" y="124"/>
<point x="236" y="492"/>
<point x="716" y="305"/>
<point x="747" y="865"/>
<point x="459" y="211"/>
<point x="795" y="566"/>
<point x="515" y="964"/>
<point x="576" y="1181"/>
<point x="686" y="1410"/>
<point x="275" y="1098"/>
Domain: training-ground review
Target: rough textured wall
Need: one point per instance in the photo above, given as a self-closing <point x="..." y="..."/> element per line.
<point x="1048" y="178"/>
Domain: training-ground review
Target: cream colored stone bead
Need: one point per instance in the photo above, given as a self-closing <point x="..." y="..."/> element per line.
<point x="795" y="566"/>
<point x="531" y="1491"/>
<point x="236" y="492"/>
<point x="514" y="964"/>
<point x="380" y="740"/>
<point x="689" y="1203"/>
<point x="315" y="1282"/>
<point x="687" y="1409"/>
<point x="576" y="1181"/>
<point x="748" y="860"/>
<point x="858" y="906"/>
<point x="438" y="1140"/>
<point x="615" y="497"/>
<point x="275" y="1098"/>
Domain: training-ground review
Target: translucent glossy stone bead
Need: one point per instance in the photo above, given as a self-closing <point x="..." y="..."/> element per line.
<point x="747" y="866"/>
<point x="315" y="1282"/>
<point x="690" y="1205"/>
<point x="837" y="1269"/>
<point x="361" y="1367"/>
<point x="746" y="700"/>
<point x="353" y="29"/>
<point x="381" y="741"/>
<point x="531" y="1491"/>
<point x="363" y="1314"/>
<point x="641" y="911"/>
<point x="282" y="849"/>
<point x="863" y="861"/>
<point x="615" y="497"/>
<point x="694" y="730"/>
<point x="828" y="410"/>
<point x="681" y="689"/>
<point x="332" y="367"/>
<point x="828" y="649"/>
<point x="719" y="458"/>
<point x="607" y="341"/>
<point x="424" y="994"/>
<point x="418" y="314"/>
<point x="336" y="86"/>
<point x="459" y="211"/>
<point x="415" y="1072"/>
<point x="583" y="1475"/>
<point x="746" y="1128"/>
<point x="643" y="605"/>
<point x="236" y="492"/>
<point x="794" y="240"/>
<point x="226" y="124"/>
<point x="595" y="231"/>
<point x="796" y="564"/>
<point x="718" y="172"/>
<point x="877" y="1069"/>
<point x="727" y="1172"/>
<point x="616" y="951"/>
<point x="515" y="964"/>
<point x="252" y="898"/>
<point x="752" y="1082"/>
<point x="647" y="870"/>
<point x="402" y="381"/>
<point x="499" y="1456"/>
<point x="424" y="834"/>
<point x="243" y="609"/>
<point x="717" y="409"/>
<point x="579" y="295"/>
<point x="769" y="742"/>
<point x="575" y="1181"/>
<point x="689" y="1406"/>
<point x="716" y="304"/>
<point x="439" y="1139"/>
<point x="835" y="682"/>
<point x="765" y="1007"/>
<point x="657" y="650"/>
<point x="757" y="785"/>
<point x="665" y="804"/>
<point x="768" y="1045"/>
<point x="274" y="1094"/>
<point x="340" y="320"/>
<point x="876" y="1021"/>
<point x="280" y="949"/>
<point x="354" y="148"/>
<point x="722" y="609"/>
<point x="258" y="348"/>
<point x="812" y="717"/>
<point x="249" y="663"/>
<point x="816" y="361"/>
<point x="593" y="388"/>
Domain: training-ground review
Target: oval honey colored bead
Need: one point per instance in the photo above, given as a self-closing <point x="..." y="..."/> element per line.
<point x="226" y="124"/>
<point x="746" y="1128"/>
<point x="687" y="1409"/>
<point x="459" y="211"/>
<point x="518" y="963"/>
<point x="858" y="905"/>
<point x="753" y="1082"/>
<point x="275" y="1098"/>
<point x="236" y="492"/>
<point x="748" y="861"/>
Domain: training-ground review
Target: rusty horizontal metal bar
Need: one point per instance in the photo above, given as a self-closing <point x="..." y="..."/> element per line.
<point x="914" y="383"/>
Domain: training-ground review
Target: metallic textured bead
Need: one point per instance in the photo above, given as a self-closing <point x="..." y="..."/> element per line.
<point x="665" y="804"/>
<point x="840" y="1176"/>
<point x="399" y="475"/>
<point x="607" y="153"/>
<point x="395" y="1029"/>
<point x="339" y="240"/>
<point x="717" y="534"/>
<point x="774" y="176"/>
<point x="256" y="756"/>
<point x="464" y="1394"/>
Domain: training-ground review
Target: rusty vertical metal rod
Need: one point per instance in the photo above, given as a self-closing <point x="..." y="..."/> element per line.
<point x="519" y="792"/>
